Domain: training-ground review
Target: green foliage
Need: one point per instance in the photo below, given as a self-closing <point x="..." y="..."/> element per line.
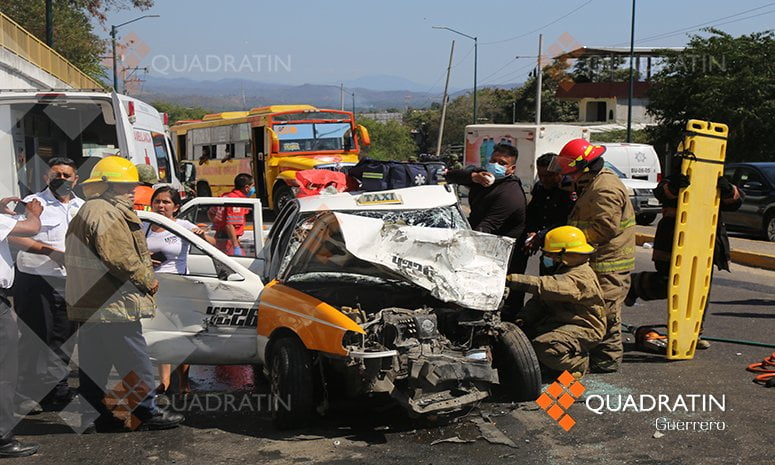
<point x="552" y="109"/>
<point x="389" y="141"/>
<point x="724" y="79"/>
<point x="74" y="36"/>
<point x="178" y="112"/>
<point x="620" y="135"/>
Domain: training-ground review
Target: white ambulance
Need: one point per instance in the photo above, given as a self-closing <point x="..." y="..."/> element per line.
<point x="85" y="126"/>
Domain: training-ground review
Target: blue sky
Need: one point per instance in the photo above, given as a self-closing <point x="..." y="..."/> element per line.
<point x="321" y="42"/>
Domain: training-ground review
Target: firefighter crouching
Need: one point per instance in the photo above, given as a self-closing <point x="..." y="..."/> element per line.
<point x="604" y="213"/>
<point x="565" y="318"/>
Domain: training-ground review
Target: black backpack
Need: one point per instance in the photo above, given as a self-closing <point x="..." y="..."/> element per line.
<point x="378" y="175"/>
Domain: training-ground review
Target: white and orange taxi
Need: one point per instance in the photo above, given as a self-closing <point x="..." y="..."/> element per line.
<point x="355" y="293"/>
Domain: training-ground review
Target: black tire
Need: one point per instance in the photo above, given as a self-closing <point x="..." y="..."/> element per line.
<point x="290" y="383"/>
<point x="645" y="219"/>
<point x="282" y="195"/>
<point x="203" y="189"/>
<point x="518" y="368"/>
<point x="769" y="227"/>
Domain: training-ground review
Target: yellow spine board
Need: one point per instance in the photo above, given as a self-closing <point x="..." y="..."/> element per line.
<point x="695" y="236"/>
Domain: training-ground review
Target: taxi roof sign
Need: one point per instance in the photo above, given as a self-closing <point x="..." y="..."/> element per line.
<point x="381" y="198"/>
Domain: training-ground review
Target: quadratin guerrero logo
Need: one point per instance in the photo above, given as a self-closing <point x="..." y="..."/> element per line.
<point x="559" y="396"/>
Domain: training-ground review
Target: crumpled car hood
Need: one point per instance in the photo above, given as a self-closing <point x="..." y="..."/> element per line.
<point x="458" y="266"/>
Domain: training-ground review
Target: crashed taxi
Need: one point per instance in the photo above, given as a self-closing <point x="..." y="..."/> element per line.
<point x="351" y="293"/>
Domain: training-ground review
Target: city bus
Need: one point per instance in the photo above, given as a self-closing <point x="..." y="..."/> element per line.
<point x="272" y="143"/>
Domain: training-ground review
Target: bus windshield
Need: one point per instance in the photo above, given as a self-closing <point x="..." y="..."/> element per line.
<point x="314" y="137"/>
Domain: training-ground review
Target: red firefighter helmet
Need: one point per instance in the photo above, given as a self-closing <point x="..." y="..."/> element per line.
<point x="576" y="155"/>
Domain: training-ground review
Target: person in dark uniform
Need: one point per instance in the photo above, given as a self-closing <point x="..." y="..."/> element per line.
<point x="549" y="206"/>
<point x="498" y="206"/>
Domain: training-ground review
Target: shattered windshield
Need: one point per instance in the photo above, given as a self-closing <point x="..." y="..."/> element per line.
<point x="448" y="217"/>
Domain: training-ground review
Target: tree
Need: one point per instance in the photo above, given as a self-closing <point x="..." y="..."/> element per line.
<point x="74" y="36"/>
<point x="389" y="141"/>
<point x="724" y="79"/>
<point x="177" y="112"/>
<point x="552" y="108"/>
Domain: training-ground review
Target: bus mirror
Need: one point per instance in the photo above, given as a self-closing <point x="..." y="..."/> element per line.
<point x="275" y="141"/>
<point x="363" y="133"/>
<point x="187" y="172"/>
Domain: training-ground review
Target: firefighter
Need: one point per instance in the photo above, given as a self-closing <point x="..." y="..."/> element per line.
<point x="565" y="318"/>
<point x="144" y="190"/>
<point x="604" y="213"/>
<point x="109" y="289"/>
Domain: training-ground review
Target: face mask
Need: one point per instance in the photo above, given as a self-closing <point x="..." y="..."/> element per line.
<point x="61" y="187"/>
<point x="127" y="200"/>
<point x="548" y="262"/>
<point x="252" y="191"/>
<point x="497" y="170"/>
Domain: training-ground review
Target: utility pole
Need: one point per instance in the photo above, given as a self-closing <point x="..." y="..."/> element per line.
<point x="353" y="94"/>
<point x="632" y="75"/>
<point x="476" y="57"/>
<point x="444" y="102"/>
<point x="113" y="39"/>
<point x="341" y="95"/>
<point x="49" y="23"/>
<point x="539" y="77"/>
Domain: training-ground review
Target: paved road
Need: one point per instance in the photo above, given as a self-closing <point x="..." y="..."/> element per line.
<point x="742" y="306"/>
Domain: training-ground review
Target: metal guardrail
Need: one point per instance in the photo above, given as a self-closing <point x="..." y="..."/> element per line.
<point x="18" y="41"/>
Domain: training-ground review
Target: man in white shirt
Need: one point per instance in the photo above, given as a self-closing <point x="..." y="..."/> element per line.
<point x="39" y="293"/>
<point x="9" y="332"/>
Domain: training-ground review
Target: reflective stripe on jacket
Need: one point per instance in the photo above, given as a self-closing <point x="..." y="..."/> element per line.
<point x="605" y="214"/>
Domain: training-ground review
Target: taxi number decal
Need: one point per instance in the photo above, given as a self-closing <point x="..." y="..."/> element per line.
<point x="233" y="316"/>
<point x="374" y="199"/>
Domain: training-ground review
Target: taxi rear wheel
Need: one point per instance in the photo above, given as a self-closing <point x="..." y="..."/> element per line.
<point x="291" y="383"/>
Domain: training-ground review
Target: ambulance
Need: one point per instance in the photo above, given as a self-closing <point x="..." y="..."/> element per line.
<point x="84" y="126"/>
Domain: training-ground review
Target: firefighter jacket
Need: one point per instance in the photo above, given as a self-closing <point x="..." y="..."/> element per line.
<point x="109" y="271"/>
<point x="604" y="213"/>
<point x="571" y="299"/>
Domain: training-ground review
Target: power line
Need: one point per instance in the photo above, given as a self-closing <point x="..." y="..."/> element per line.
<point x="695" y="27"/>
<point x="540" y="28"/>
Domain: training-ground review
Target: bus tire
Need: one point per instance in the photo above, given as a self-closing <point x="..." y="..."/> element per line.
<point x="203" y="189"/>
<point x="282" y="195"/>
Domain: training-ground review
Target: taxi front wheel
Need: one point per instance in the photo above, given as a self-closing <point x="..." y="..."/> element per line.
<point x="291" y="383"/>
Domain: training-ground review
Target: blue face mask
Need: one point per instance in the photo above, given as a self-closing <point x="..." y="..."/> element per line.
<point x="548" y="262"/>
<point x="497" y="170"/>
<point x="252" y="191"/>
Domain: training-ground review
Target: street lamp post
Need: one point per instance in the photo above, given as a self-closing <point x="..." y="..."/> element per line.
<point x="632" y="75"/>
<point x="476" y="54"/>
<point x="113" y="39"/>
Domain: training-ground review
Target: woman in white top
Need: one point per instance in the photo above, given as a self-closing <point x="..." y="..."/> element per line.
<point x="169" y="254"/>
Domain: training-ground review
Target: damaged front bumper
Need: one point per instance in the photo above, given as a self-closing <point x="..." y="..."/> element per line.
<point x="404" y="354"/>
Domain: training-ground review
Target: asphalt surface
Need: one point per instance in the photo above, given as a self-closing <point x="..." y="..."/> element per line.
<point x="228" y="420"/>
<point x="737" y="241"/>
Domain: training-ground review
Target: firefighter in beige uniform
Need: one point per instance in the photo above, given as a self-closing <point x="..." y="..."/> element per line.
<point x="565" y="318"/>
<point x="604" y="213"/>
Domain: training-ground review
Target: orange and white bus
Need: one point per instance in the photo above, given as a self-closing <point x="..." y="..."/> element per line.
<point x="272" y="143"/>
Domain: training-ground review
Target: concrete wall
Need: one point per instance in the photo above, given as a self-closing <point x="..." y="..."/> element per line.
<point x="18" y="73"/>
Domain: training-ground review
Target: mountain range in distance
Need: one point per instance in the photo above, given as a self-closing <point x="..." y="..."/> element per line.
<point x="372" y="93"/>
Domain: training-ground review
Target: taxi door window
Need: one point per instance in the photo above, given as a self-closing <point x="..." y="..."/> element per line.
<point x="213" y="219"/>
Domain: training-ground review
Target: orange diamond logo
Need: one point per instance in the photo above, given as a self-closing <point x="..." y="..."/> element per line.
<point x="558" y="398"/>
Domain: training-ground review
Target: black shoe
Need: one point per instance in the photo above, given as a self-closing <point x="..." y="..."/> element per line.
<point x="163" y="420"/>
<point x="17" y="449"/>
<point x="107" y="424"/>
